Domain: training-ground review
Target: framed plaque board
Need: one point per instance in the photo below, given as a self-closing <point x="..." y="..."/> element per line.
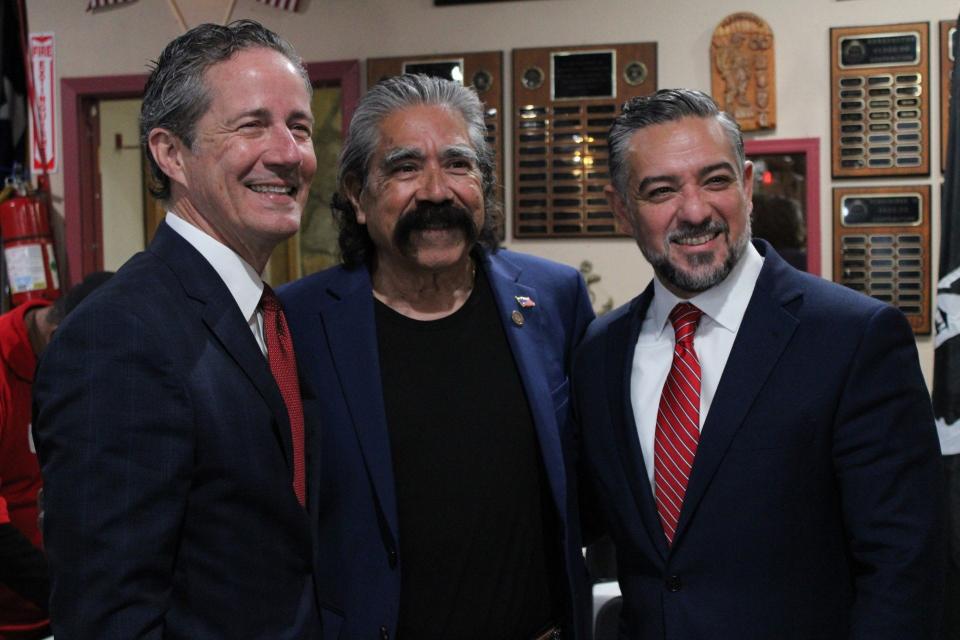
<point x="881" y="240"/>
<point x="880" y="94"/>
<point x="947" y="30"/>
<point x="564" y="101"/>
<point x="483" y="71"/>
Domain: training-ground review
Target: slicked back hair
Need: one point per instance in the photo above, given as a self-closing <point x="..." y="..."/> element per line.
<point x="353" y="166"/>
<point x="666" y="105"/>
<point x="176" y="95"/>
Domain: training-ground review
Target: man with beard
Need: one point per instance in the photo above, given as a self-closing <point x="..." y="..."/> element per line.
<point x="767" y="466"/>
<point x="441" y="367"/>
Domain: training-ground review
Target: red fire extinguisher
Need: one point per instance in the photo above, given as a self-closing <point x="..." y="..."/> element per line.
<point x="28" y="249"/>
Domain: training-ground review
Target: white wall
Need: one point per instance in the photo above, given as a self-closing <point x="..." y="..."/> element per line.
<point x="122" y="40"/>
<point x="121" y="182"/>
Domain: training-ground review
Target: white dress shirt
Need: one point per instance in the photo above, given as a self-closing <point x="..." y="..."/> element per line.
<point x="244" y="283"/>
<point x="723" y="308"/>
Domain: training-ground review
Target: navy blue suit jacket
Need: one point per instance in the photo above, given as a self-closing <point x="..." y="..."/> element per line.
<point x="813" y="508"/>
<point x="166" y="456"/>
<point x="331" y="315"/>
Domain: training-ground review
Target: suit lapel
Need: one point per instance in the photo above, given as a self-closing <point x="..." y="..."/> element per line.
<point x="526" y="344"/>
<point x="766" y="330"/>
<point x="620" y="347"/>
<point x="222" y="317"/>
<point x="347" y="315"/>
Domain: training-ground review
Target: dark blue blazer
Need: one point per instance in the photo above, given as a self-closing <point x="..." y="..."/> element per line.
<point x="331" y="316"/>
<point x="813" y="506"/>
<point x="166" y="456"/>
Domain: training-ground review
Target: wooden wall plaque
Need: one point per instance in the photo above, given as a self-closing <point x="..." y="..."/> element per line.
<point x="564" y="101"/>
<point x="880" y="94"/>
<point x="881" y="240"/>
<point x="947" y="29"/>
<point x="742" y="73"/>
<point x="483" y="71"/>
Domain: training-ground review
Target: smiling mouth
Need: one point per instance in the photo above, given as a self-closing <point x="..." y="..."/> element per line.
<point x="277" y="189"/>
<point x="692" y="241"/>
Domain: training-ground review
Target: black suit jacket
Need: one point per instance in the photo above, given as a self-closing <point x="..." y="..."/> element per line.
<point x="813" y="508"/>
<point x="166" y="454"/>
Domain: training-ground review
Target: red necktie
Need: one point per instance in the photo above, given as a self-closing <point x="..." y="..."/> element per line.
<point x="678" y="420"/>
<point x="283" y="364"/>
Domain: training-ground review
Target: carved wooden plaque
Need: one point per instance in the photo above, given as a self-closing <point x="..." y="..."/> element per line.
<point x="564" y="101"/>
<point x="742" y="72"/>
<point x="483" y="71"/>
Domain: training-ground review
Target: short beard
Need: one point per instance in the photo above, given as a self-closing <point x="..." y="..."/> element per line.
<point x="697" y="279"/>
<point x="431" y="216"/>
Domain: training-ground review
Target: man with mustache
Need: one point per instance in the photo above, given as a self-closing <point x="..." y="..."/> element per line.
<point x="168" y="415"/>
<point x="441" y="367"/>
<point x="759" y="442"/>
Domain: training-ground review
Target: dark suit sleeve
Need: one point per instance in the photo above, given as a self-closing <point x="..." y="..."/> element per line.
<point x="887" y="463"/>
<point x="114" y="435"/>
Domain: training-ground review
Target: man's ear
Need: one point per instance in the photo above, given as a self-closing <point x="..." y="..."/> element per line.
<point x="167" y="150"/>
<point x="620" y="209"/>
<point x="354" y="192"/>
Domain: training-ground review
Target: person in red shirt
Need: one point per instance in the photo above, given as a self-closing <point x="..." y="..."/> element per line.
<point x="24" y="585"/>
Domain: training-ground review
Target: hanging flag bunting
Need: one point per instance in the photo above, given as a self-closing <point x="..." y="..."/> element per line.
<point x="286" y="5"/>
<point x="93" y="5"/>
<point x="946" y="368"/>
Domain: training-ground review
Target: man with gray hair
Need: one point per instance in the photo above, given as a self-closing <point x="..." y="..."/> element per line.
<point x="767" y="466"/>
<point x="441" y="363"/>
<point x="168" y="415"/>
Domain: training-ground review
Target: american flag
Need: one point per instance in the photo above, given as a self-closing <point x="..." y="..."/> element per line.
<point x="286" y="5"/>
<point x="92" y="5"/>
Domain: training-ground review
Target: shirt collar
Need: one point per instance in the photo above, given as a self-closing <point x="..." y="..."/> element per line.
<point x="244" y="283"/>
<point x="724" y="304"/>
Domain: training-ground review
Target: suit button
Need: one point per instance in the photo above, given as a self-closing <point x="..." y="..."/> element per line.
<point x="393" y="559"/>
<point x="673" y="583"/>
<point x="384" y="633"/>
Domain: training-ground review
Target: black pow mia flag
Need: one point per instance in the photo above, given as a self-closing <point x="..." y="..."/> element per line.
<point x="946" y="369"/>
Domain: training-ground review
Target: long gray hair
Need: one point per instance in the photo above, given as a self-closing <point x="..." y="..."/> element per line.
<point x="363" y="138"/>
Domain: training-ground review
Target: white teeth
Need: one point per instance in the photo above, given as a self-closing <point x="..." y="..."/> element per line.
<point x="695" y="239"/>
<point x="269" y="188"/>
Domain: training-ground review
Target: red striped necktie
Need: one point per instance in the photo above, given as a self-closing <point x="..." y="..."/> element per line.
<point x="678" y="421"/>
<point x="283" y="365"/>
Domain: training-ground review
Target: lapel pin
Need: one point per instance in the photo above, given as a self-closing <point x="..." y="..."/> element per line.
<point x="525" y="302"/>
<point x="517" y="318"/>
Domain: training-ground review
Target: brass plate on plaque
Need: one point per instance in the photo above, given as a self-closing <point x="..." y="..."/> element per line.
<point x="947" y="29"/>
<point x="881" y="240"/>
<point x="483" y="71"/>
<point x="880" y="90"/>
<point x="743" y="78"/>
<point x="564" y="101"/>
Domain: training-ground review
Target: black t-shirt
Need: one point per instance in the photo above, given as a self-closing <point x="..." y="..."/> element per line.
<point x="479" y="556"/>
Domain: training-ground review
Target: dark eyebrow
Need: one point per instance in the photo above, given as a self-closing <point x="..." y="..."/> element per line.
<point x="701" y="174"/>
